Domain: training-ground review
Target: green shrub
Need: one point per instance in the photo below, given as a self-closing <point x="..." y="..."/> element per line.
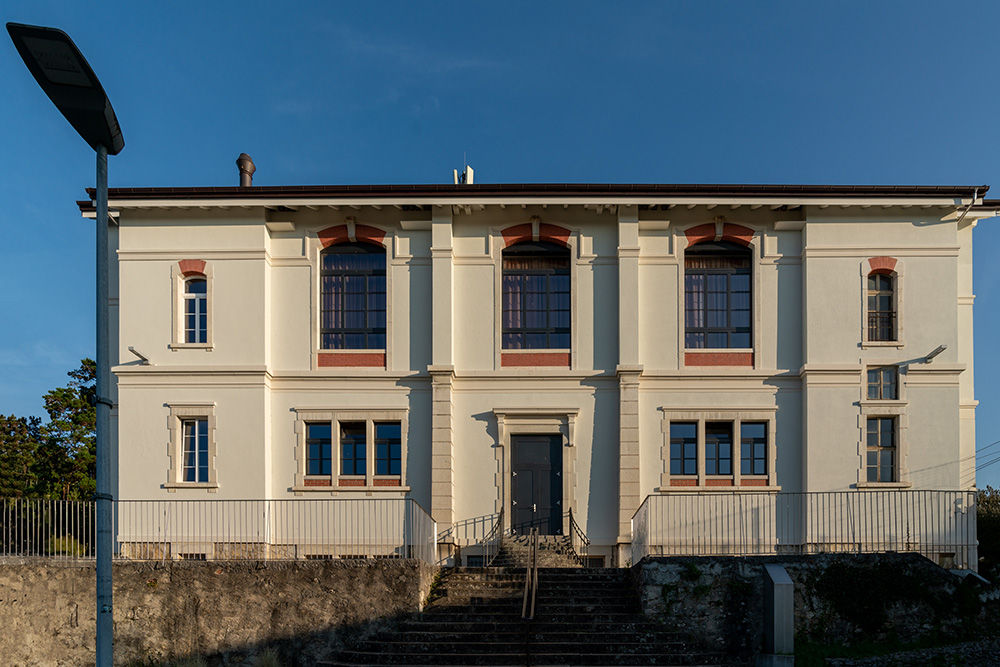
<point x="66" y="545"/>
<point x="988" y="529"/>
<point x="267" y="658"/>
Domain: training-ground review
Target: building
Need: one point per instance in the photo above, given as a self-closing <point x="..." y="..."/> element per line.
<point x="541" y="348"/>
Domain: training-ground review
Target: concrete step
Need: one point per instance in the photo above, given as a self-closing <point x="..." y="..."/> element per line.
<point x="584" y="617"/>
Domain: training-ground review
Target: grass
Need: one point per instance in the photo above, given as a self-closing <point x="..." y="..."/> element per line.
<point x="812" y="654"/>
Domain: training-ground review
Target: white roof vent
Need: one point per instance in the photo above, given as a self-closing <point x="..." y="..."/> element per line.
<point x="465" y="178"/>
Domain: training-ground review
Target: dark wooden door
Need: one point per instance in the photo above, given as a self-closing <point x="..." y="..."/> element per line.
<point x="536" y="483"/>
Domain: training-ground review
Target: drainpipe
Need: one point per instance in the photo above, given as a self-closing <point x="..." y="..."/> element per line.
<point x="975" y="196"/>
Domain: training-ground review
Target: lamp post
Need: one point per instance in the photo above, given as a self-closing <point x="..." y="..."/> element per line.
<point x="63" y="73"/>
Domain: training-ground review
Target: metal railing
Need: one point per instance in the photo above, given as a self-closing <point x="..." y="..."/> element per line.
<point x="882" y="326"/>
<point x="61" y="529"/>
<point x="578" y="540"/>
<point x="225" y="529"/>
<point x="531" y="578"/>
<point x="938" y="524"/>
<point x="493" y="540"/>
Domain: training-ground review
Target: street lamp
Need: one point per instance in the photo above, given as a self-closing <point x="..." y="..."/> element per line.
<point x="63" y="73"/>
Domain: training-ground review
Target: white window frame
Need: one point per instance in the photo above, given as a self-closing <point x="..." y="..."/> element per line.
<point x="755" y="248"/>
<point x="335" y="418"/>
<point x="179" y="413"/>
<point x="314" y="248"/>
<point x="897" y="303"/>
<point x="577" y="261"/>
<point x="179" y="302"/>
<point x="734" y="416"/>
<point x="884" y="408"/>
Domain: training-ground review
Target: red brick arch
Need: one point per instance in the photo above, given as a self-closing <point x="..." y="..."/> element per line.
<point x="192" y="267"/>
<point x="730" y="232"/>
<point x="882" y="264"/>
<point x="737" y="234"/>
<point x="546" y="232"/>
<point x="363" y="233"/>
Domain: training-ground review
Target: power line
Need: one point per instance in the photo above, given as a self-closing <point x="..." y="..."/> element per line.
<point x="988" y="463"/>
<point x="985" y="447"/>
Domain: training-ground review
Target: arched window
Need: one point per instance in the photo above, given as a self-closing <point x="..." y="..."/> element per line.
<point x="881" y="307"/>
<point x="536" y="296"/>
<point x="717" y="296"/>
<point x="196" y="310"/>
<point x="352" y="297"/>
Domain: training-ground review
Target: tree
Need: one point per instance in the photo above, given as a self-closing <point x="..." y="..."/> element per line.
<point x="988" y="529"/>
<point x="66" y="458"/>
<point x="19" y="441"/>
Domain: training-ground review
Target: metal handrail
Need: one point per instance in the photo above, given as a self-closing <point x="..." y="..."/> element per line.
<point x="491" y="543"/>
<point x="531" y="579"/>
<point x="576" y="534"/>
<point x="936" y="523"/>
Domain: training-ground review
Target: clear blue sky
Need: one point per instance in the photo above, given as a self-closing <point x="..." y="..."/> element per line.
<point x="396" y="92"/>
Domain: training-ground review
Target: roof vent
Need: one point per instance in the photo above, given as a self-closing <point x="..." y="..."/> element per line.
<point x="247" y="168"/>
<point x="465" y="178"/>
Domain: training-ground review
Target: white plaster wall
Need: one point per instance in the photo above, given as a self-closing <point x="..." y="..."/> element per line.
<point x="933" y="442"/>
<point x="143" y="446"/>
<point x="810" y="308"/>
<point x="291" y="294"/>
<point x="832" y="437"/>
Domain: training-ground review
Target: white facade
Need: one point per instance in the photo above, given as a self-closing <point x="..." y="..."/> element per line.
<point x="261" y="375"/>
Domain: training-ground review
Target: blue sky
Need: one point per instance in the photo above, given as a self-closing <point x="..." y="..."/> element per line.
<point x="397" y="92"/>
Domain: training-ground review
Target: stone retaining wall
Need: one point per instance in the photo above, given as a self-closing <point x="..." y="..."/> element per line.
<point x="225" y="612"/>
<point x="840" y="599"/>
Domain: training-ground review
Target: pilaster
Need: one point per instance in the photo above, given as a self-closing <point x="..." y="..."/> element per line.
<point x="628" y="449"/>
<point x="442" y="447"/>
<point x="628" y="285"/>
<point x="441" y="287"/>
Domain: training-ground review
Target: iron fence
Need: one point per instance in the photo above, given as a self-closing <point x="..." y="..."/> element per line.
<point x="62" y="529"/>
<point x="224" y="529"/>
<point x="940" y="525"/>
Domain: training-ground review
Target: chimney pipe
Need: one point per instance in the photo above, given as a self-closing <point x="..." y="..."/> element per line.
<point x="247" y="168"/>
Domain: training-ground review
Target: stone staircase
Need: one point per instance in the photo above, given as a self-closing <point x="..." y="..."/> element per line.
<point x="553" y="551"/>
<point x="583" y="617"/>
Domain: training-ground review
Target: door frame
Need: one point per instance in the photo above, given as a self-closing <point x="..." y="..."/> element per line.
<point x="536" y="421"/>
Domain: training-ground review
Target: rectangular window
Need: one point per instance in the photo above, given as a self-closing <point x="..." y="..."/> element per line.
<point x="717" y="297"/>
<point x="195" y="450"/>
<point x="318" y="445"/>
<point x="683" y="448"/>
<point x="883" y="383"/>
<point x="881" y="310"/>
<point x="536" y="297"/>
<point x="718" y="448"/>
<point x="753" y="448"/>
<point x="196" y="311"/>
<point x="353" y="297"/>
<point x="881" y="461"/>
<point x="388" y="448"/>
<point x="352" y="448"/>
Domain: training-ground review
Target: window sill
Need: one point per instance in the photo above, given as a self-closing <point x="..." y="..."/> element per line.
<point x="716" y="489"/>
<point x="211" y="487"/>
<point x="191" y="346"/>
<point x="882" y="403"/>
<point x="881" y="343"/>
<point x="349" y="489"/>
<point x="883" y="485"/>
